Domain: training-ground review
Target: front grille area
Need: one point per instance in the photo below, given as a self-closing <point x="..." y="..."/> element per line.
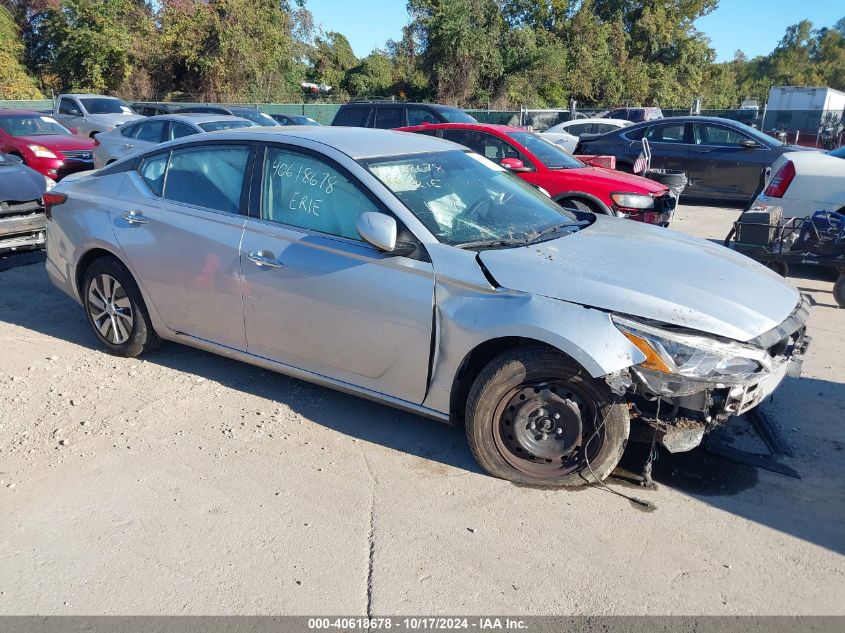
<point x="11" y="208"/>
<point x="86" y="154"/>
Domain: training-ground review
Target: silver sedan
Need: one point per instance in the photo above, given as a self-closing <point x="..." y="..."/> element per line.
<point x="408" y="270"/>
<point x="145" y="133"/>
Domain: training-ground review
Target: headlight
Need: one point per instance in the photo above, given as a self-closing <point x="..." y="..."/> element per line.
<point x="41" y="152"/>
<point x="693" y="356"/>
<point x="632" y="200"/>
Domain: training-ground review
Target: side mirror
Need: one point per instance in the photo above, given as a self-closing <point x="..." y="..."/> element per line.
<point x="380" y="230"/>
<point x="749" y="144"/>
<point x="74" y="112"/>
<point x="514" y="165"/>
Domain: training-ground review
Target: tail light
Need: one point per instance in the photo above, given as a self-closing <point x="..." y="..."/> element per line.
<point x="96" y="142"/>
<point x="781" y="180"/>
<point x="51" y="200"/>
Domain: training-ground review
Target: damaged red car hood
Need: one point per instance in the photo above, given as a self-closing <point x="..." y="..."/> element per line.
<point x="650" y="272"/>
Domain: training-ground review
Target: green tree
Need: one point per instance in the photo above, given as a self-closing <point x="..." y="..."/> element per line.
<point x="373" y="77"/>
<point x="460" y="47"/>
<point x="232" y="50"/>
<point x="15" y="81"/>
<point x="331" y="58"/>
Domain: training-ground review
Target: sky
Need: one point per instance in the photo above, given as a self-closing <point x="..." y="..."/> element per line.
<point x="755" y="26"/>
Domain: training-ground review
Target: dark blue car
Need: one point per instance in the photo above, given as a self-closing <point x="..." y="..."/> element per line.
<point x="723" y="159"/>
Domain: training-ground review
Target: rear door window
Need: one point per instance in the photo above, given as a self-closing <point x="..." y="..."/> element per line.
<point x="208" y="176"/>
<point x="355" y="116"/>
<point x="666" y="133"/>
<point x="151" y="131"/>
<point x="388" y="118"/>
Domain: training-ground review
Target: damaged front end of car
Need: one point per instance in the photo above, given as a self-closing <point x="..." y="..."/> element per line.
<point x="690" y="383"/>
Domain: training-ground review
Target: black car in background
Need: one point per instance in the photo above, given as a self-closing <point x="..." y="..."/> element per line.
<point x="392" y="114"/>
<point x="723" y="159"/>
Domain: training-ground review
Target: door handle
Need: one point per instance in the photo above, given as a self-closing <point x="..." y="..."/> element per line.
<point x="128" y="146"/>
<point x="264" y="258"/>
<point x="135" y="217"/>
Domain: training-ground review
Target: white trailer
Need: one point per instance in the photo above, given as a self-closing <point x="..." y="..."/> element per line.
<point x="803" y="98"/>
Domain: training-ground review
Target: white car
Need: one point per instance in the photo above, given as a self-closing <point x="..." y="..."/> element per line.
<point x="805" y="182"/>
<point x="150" y="131"/>
<point x="568" y="133"/>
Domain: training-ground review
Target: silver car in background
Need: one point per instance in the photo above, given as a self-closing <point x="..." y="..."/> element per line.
<point x="409" y="270"/>
<point x="150" y="131"/>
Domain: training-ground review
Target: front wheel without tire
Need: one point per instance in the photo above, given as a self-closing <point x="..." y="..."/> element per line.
<point x="536" y="417"/>
<point x="116" y="310"/>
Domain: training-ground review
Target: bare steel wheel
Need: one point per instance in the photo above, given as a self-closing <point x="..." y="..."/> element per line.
<point x="116" y="309"/>
<point x="534" y="416"/>
<point x="544" y="429"/>
<point x="109" y="309"/>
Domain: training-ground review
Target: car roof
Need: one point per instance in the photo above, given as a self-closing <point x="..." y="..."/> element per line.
<point x="198" y="117"/>
<point x="399" y="103"/>
<point x="14" y="112"/>
<point x="623" y="122"/>
<point x="87" y="95"/>
<point x="355" y="142"/>
<point x="478" y="127"/>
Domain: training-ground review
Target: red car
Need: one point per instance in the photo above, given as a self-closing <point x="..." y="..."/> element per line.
<point x="44" y="144"/>
<point x="566" y="179"/>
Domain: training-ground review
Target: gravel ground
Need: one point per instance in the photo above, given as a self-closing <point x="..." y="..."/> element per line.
<point x="186" y="483"/>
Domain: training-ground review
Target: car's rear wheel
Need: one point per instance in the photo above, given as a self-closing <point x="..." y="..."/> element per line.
<point x="116" y="310"/>
<point x="536" y="417"/>
<point x="839" y="290"/>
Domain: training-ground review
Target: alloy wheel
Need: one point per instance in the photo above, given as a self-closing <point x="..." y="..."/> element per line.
<point x="109" y="309"/>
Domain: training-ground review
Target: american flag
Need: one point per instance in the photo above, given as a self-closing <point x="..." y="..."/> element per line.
<point x="641" y="163"/>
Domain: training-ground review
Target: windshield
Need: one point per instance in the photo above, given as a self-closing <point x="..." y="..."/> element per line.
<point x="453" y="115"/>
<point x="303" y="120"/>
<point x="214" y="126"/>
<point x="464" y="198"/>
<point x="106" y="106"/>
<point x="5" y="161"/>
<point x="32" y="126"/>
<point x="551" y="155"/>
<point x="256" y="117"/>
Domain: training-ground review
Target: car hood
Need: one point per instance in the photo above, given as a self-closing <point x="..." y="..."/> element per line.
<point x="653" y="273"/>
<point x="20" y="184"/>
<point x="614" y="181"/>
<point x="60" y="141"/>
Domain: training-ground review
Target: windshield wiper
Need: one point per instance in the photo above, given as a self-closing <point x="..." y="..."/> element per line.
<point x="491" y="243"/>
<point x="554" y="229"/>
